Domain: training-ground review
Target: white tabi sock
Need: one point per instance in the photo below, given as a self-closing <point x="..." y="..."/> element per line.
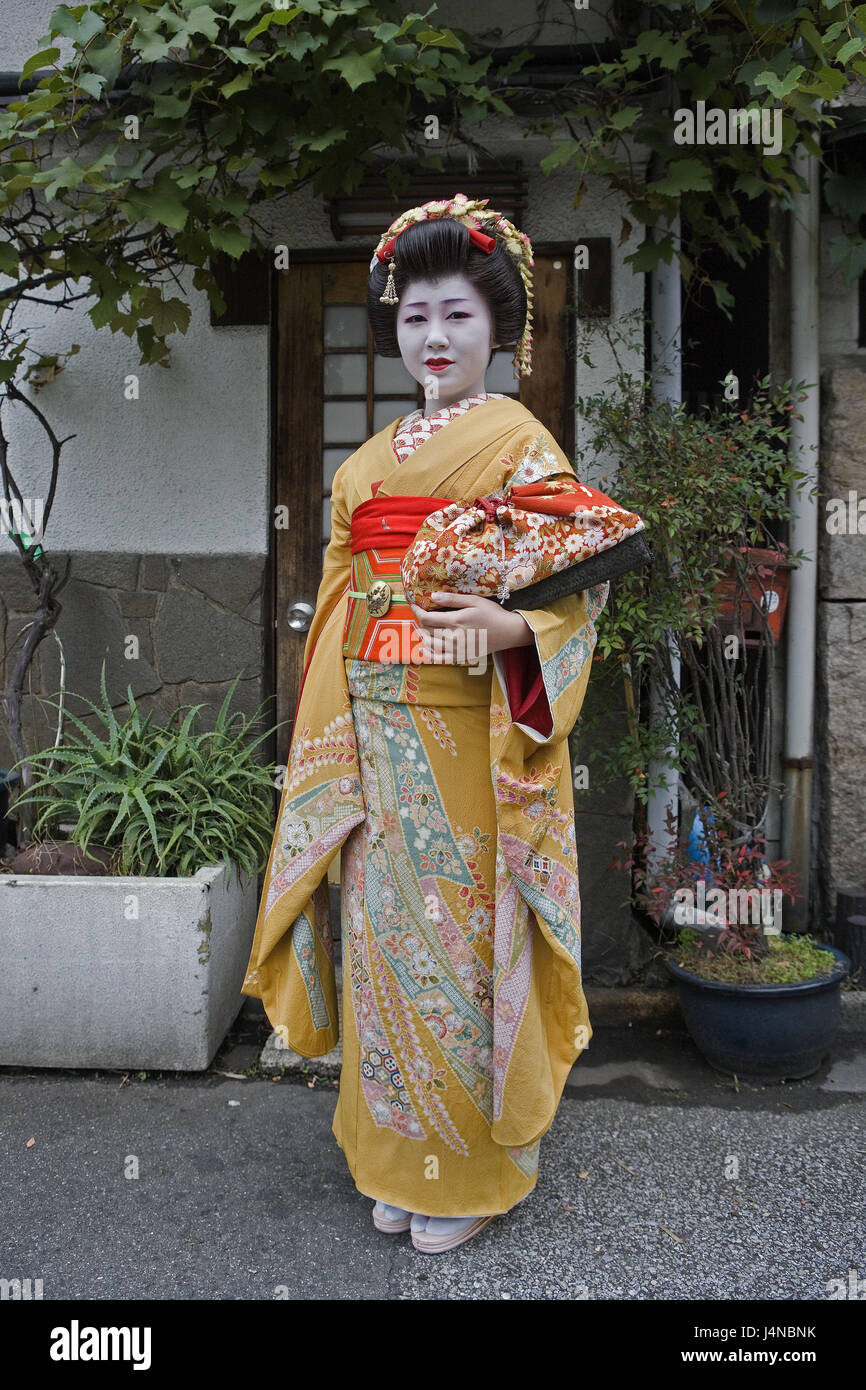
<point x="448" y="1225"/>
<point x="392" y="1213"/>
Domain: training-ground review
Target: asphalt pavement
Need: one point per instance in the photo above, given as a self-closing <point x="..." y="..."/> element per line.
<point x="660" y="1179"/>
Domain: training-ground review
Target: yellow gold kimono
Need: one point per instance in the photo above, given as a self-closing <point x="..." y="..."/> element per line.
<point x="463" y="1009"/>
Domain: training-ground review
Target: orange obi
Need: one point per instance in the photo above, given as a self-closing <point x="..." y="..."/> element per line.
<point x="379" y="622"/>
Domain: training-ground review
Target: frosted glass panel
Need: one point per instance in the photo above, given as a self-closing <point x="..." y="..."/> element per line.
<point x="345" y="421"/>
<point x="326" y="519"/>
<point x="386" y="411"/>
<point x="346" y="374"/>
<point x="331" y="460"/>
<point x="389" y="374"/>
<point x="345" y="325"/>
<point x="500" y="374"/>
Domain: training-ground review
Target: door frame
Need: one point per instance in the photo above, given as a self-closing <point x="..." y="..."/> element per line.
<point x="299" y="413"/>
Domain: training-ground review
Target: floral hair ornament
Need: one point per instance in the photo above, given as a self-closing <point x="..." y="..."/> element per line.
<point x="475" y="215"/>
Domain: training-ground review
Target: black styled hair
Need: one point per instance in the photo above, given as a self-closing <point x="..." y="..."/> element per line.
<point x="437" y="247"/>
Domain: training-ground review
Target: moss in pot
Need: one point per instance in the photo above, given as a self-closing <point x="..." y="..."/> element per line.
<point x="757" y="1003"/>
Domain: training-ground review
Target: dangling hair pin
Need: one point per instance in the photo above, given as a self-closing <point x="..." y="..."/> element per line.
<point x="390" y="296"/>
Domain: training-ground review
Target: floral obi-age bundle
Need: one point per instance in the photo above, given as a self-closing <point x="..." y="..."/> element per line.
<point x="526" y="547"/>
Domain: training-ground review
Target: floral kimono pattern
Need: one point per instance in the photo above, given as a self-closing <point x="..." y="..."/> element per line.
<point x="462" y="1009"/>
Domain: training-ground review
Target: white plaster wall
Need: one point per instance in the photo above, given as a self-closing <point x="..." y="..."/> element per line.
<point x="23" y="22"/>
<point x="183" y="468"/>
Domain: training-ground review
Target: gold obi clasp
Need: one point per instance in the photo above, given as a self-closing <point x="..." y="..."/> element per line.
<point x="373" y="627"/>
<point x="378" y="597"/>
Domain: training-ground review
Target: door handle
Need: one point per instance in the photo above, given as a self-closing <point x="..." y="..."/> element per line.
<point x="299" y="615"/>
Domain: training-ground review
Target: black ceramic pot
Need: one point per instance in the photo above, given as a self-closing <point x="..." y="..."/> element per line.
<point x="763" y="1032"/>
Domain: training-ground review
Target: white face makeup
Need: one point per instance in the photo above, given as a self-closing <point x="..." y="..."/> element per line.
<point x="444" y="322"/>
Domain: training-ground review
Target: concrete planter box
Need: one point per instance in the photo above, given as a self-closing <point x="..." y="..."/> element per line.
<point x="84" y="982"/>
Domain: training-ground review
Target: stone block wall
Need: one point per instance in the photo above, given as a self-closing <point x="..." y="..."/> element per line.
<point x="841" y="660"/>
<point x="177" y="629"/>
<point x="616" y="950"/>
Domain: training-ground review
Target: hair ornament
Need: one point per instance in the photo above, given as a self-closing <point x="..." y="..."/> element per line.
<point x="473" y="214"/>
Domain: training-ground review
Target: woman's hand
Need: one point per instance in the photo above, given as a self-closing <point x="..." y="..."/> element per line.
<point x="495" y="628"/>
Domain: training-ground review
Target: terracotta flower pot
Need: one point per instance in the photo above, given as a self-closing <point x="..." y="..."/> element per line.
<point x="767" y="582"/>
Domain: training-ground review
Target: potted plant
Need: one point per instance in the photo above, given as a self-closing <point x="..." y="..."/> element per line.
<point x="139" y="967"/>
<point x="709" y="489"/>
<point x="692" y="638"/>
<point x="757" y="1003"/>
<point x="755" y="584"/>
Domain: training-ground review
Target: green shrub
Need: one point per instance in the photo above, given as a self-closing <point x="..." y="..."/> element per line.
<point x="168" y="800"/>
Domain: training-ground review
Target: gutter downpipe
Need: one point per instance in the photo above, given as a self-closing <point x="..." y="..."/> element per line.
<point x="666" y="363"/>
<point x="803" y="595"/>
<point x="667" y="384"/>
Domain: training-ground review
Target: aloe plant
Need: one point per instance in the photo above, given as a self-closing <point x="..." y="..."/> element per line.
<point x="167" y="799"/>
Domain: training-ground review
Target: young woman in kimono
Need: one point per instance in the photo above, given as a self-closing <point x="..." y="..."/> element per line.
<point x="443" y="781"/>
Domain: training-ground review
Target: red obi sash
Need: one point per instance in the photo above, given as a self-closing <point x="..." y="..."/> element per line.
<point x="382" y="529"/>
<point x="392" y="521"/>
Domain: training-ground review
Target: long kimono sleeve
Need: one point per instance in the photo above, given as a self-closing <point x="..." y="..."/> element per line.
<point x="336" y="564"/>
<point x="534" y="676"/>
<point x="540" y="1016"/>
<point x="523" y="683"/>
<point x="291" y="966"/>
